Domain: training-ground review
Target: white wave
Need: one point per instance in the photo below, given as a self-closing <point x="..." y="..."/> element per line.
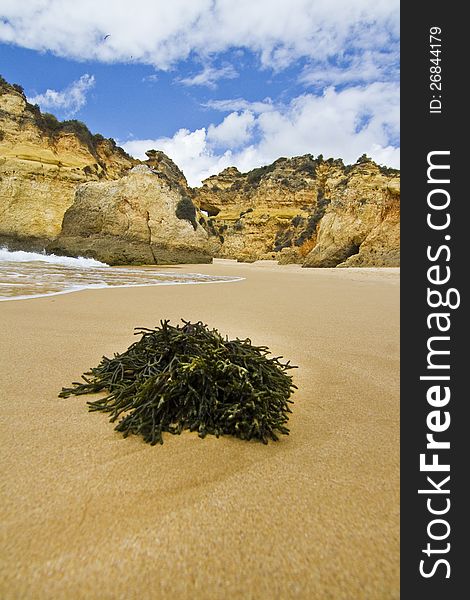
<point x="67" y="261"/>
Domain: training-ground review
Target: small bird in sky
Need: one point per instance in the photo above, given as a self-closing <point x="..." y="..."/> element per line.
<point x="106" y="36"/>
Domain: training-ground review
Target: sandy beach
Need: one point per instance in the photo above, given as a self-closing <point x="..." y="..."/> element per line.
<point x="89" y="515"/>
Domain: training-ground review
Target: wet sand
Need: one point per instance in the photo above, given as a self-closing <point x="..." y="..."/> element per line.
<point x="87" y="514"/>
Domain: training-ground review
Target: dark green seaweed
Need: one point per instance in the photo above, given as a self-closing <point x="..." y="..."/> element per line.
<point x="190" y="377"/>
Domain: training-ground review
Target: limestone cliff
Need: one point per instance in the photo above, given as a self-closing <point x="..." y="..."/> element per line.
<point x="361" y="226"/>
<point x="73" y="192"/>
<point x="41" y="163"/>
<point x="317" y="212"/>
<point x="145" y="217"/>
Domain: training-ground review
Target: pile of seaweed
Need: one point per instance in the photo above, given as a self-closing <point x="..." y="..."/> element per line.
<point x="190" y="377"/>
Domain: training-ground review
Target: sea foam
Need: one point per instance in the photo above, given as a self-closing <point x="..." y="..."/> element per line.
<point x="67" y="261"/>
<point x="33" y="274"/>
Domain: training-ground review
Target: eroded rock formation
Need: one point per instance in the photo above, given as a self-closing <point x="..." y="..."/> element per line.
<point x="41" y="163"/>
<point x="76" y="193"/>
<point x="317" y="212"/>
<point x="145" y="217"/>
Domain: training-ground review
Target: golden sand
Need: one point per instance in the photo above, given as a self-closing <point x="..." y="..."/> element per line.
<point x="87" y="514"/>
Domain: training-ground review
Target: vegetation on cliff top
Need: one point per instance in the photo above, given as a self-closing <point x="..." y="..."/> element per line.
<point x="52" y="127"/>
<point x="190" y="377"/>
<point x="304" y="166"/>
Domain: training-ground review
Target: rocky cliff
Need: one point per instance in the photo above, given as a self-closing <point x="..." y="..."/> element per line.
<point x="317" y="212"/>
<point x="76" y="193"/>
<point x="145" y="217"/>
<point x="42" y="161"/>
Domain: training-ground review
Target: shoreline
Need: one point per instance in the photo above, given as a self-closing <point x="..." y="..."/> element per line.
<point x="88" y="514"/>
<point x="106" y="287"/>
<point x="217" y="262"/>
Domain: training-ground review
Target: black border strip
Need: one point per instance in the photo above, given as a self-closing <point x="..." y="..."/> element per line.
<point x="424" y="132"/>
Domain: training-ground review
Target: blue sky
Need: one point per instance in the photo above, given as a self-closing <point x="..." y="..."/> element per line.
<point x="214" y="83"/>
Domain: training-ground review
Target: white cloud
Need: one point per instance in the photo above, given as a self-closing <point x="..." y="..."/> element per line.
<point x="237" y="104"/>
<point x="189" y="149"/>
<point x="70" y="100"/>
<point x="340" y="124"/>
<point x="328" y="124"/>
<point x="234" y="130"/>
<point x="209" y="76"/>
<point x="162" y="33"/>
<point x="364" y="67"/>
<point x="150" y="78"/>
<point x="341" y="43"/>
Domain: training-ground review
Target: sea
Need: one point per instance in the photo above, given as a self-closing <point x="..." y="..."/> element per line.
<point x="25" y="275"/>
